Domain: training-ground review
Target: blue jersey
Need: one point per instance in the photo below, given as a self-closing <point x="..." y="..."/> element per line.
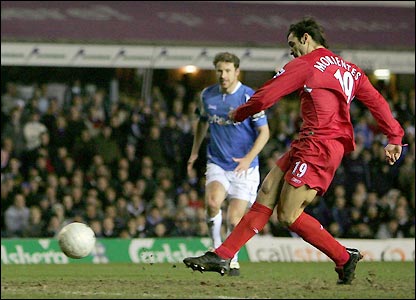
<point x="228" y="139"/>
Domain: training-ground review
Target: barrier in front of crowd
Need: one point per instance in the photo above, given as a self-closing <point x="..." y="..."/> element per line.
<point x="173" y="250"/>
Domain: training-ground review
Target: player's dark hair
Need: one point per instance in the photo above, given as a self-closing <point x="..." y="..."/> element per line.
<point x="227" y="57"/>
<point x="310" y="26"/>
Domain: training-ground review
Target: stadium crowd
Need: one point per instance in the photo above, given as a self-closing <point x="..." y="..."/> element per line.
<point x="120" y="166"/>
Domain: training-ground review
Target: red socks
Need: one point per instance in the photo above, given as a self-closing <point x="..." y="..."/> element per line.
<point x="252" y="222"/>
<point x="305" y="226"/>
<point x="313" y="232"/>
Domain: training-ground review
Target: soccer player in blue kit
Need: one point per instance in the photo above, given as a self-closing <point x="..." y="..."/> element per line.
<point x="232" y="170"/>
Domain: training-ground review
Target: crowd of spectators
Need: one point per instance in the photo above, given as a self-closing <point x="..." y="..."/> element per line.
<point x="120" y="166"/>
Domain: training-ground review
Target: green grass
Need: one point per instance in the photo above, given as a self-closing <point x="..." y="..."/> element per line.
<point x="279" y="280"/>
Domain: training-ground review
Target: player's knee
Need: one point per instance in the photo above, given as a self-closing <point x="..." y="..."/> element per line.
<point x="213" y="207"/>
<point x="266" y="195"/>
<point x="266" y="187"/>
<point x="286" y="218"/>
<point x="234" y="219"/>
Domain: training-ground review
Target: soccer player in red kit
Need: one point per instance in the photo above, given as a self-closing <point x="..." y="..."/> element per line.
<point x="327" y="84"/>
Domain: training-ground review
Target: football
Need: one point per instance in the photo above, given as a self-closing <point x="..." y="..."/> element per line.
<point x="76" y="240"/>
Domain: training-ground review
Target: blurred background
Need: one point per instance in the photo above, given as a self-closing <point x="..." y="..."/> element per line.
<point x="98" y="104"/>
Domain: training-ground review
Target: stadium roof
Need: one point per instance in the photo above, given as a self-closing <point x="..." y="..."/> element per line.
<point x="212" y="23"/>
<point x="172" y="34"/>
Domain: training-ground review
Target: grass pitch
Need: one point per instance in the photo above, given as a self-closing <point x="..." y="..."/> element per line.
<point x="278" y="280"/>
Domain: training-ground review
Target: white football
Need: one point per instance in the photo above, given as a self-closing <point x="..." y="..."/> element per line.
<point x="76" y="240"/>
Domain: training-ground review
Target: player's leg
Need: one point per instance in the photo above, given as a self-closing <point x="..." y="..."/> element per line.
<point x="214" y="197"/>
<point x="252" y="222"/>
<point x="314" y="168"/>
<point x="236" y="210"/>
<point x="311" y="169"/>
<point x="290" y="212"/>
<point x="241" y="194"/>
<point x="256" y="218"/>
<point x="215" y="193"/>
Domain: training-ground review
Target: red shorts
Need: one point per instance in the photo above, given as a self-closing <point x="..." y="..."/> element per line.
<point x="312" y="162"/>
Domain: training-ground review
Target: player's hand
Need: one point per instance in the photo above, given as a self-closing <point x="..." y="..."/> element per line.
<point x="231" y="115"/>
<point x="243" y="165"/>
<point x="393" y="153"/>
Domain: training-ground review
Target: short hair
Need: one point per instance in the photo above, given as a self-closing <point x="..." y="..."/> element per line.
<point x="227" y="57"/>
<point x="310" y="26"/>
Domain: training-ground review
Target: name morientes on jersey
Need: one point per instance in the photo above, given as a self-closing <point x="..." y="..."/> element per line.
<point x="326" y="61"/>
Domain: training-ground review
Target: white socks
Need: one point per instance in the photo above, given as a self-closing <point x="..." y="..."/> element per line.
<point x="214" y="227"/>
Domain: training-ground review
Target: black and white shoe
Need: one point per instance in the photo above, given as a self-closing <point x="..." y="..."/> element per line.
<point x="209" y="262"/>
<point x="346" y="273"/>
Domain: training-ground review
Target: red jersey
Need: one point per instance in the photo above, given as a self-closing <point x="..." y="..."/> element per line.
<point x="327" y="84"/>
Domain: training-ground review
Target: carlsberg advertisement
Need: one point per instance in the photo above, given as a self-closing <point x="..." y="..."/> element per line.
<point x="174" y="250"/>
<point x="106" y="250"/>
